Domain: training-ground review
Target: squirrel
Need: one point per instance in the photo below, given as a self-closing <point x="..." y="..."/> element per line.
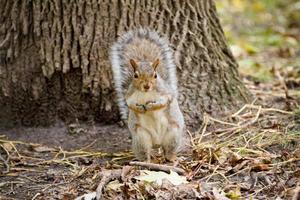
<point x="145" y="81"/>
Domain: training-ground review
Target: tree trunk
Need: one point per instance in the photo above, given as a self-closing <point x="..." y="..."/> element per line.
<point x="54" y="57"/>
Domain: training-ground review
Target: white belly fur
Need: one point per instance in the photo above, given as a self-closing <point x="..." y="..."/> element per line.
<point x="156" y="123"/>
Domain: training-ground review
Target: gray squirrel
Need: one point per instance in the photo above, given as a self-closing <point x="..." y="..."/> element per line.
<point x="145" y="81"/>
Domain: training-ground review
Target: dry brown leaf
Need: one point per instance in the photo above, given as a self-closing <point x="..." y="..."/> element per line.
<point x="260" y="167"/>
<point x="7" y="146"/>
<point x="235" y="159"/>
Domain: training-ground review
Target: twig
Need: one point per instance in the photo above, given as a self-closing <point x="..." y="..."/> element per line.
<point x="36" y="195"/>
<point x="18" y="142"/>
<point x="285" y="162"/>
<point x="107" y="176"/>
<point x="262" y="109"/>
<point x="222" y="122"/>
<point x="205" y="122"/>
<point x="54" y="184"/>
<point x="61" y="151"/>
<point x="88" y="146"/>
<point x="277" y="110"/>
<point x="211" y="175"/>
<point x="5" y="162"/>
<point x="243" y="108"/>
<point x="153" y="166"/>
<point x="194" y="172"/>
<point x="283" y="83"/>
<point x="238" y="172"/>
<point x="232" y="130"/>
<point x="257" y="115"/>
<point x="224" y="177"/>
<point x="239" y="111"/>
<point x="191" y="138"/>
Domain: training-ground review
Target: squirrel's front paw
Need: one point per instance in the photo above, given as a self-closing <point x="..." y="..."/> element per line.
<point x="150" y="105"/>
<point x="157" y="104"/>
<point x="139" y="108"/>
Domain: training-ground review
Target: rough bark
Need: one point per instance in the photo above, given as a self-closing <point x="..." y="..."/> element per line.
<point x="54" y="57"/>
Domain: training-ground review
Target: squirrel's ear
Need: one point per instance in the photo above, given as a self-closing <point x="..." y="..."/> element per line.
<point x="155" y="64"/>
<point x="133" y="64"/>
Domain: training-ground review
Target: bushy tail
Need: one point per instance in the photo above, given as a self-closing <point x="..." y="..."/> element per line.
<point x="121" y="75"/>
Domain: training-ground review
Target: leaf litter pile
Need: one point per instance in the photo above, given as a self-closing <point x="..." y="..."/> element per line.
<point x="253" y="153"/>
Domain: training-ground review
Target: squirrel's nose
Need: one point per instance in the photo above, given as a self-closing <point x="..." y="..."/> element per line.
<point x="146" y="87"/>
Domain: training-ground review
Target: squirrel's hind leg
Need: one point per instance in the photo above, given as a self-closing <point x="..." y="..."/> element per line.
<point x="141" y="144"/>
<point x="171" y="142"/>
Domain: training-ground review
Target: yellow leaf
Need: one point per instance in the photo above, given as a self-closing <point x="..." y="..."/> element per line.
<point x="234" y="194"/>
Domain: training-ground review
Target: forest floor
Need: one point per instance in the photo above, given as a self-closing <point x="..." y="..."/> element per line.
<point x="253" y="153"/>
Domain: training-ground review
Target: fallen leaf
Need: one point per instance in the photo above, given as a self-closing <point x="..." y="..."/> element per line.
<point x="7" y="146"/>
<point x="260" y="167"/>
<point x="234" y="194"/>
<point x="114" y="185"/>
<point x="235" y="159"/>
<point x="88" y="196"/>
<point x="219" y="195"/>
<point x="157" y="177"/>
<point x="43" y="149"/>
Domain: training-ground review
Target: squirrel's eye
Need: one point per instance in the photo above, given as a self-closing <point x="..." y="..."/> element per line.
<point x="155" y="75"/>
<point x="136" y="75"/>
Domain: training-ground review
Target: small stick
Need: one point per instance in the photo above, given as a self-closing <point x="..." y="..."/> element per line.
<point x="283" y="83"/>
<point x="277" y="110"/>
<point x="107" y="176"/>
<point x="222" y="122"/>
<point x="191" y="138"/>
<point x="5" y="162"/>
<point x="257" y="115"/>
<point x="205" y="122"/>
<point x="208" y="177"/>
<point x="243" y="108"/>
<point x="153" y="166"/>
<point x="285" y="162"/>
<point x="36" y="195"/>
<point x="88" y="146"/>
<point x="262" y="109"/>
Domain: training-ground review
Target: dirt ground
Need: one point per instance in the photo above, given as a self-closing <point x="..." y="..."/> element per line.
<point x="107" y="138"/>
